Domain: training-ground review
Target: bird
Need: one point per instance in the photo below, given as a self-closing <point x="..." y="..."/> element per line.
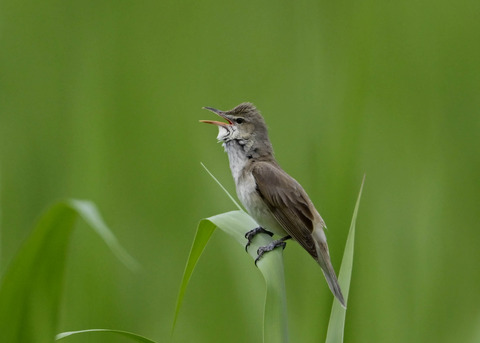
<point x="274" y="199"/>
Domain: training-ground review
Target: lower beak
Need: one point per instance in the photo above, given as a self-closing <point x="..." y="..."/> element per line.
<point x="218" y="123"/>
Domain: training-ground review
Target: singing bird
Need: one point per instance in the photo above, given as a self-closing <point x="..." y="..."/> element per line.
<point x="276" y="201"/>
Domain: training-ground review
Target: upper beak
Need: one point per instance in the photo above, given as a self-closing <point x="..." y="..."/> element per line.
<point x="220" y="113"/>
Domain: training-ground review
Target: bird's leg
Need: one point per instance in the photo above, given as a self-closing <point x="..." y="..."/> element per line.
<point x="278" y="243"/>
<point x="252" y="233"/>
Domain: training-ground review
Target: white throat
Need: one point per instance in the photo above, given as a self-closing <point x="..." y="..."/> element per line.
<point x="223" y="133"/>
<point x="237" y="158"/>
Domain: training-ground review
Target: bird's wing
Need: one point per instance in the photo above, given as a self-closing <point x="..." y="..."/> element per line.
<point x="288" y="203"/>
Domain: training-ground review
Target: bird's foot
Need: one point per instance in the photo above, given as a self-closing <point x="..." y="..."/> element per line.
<point x="252" y="233"/>
<point x="275" y="244"/>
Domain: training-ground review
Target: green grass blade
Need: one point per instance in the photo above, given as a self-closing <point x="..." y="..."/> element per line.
<point x="336" y="324"/>
<point x="275" y="326"/>
<point x="30" y="289"/>
<point x="236" y="224"/>
<point x="221" y="186"/>
<point x="89" y="213"/>
<point x="133" y="336"/>
<point x="204" y="232"/>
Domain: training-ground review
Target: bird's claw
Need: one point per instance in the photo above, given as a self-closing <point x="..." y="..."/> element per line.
<point x="252" y="233"/>
<point x="270" y="247"/>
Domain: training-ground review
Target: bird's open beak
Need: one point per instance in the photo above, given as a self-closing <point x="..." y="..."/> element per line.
<point x="220" y="113"/>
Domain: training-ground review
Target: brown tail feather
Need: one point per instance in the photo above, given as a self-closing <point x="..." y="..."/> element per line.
<point x="327" y="268"/>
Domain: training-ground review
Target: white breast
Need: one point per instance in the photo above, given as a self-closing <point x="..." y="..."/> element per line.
<point x="256" y="207"/>
<point x="247" y="191"/>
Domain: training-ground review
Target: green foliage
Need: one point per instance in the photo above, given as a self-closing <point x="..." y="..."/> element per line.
<point x="31" y="288"/>
<point x="236" y="224"/>
<point x="275" y="325"/>
<point x="130" y="335"/>
<point x="336" y="325"/>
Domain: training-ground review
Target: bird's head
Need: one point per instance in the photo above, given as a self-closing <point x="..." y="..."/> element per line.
<point x="244" y="123"/>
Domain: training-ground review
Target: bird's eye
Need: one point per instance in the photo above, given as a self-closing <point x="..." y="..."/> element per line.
<point x="239" y="120"/>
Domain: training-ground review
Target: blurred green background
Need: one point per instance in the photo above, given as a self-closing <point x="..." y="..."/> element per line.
<point x="101" y="100"/>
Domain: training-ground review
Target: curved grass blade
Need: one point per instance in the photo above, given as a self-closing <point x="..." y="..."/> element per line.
<point x="275" y="321"/>
<point x="30" y="289"/>
<point x="127" y="334"/>
<point x="89" y="213"/>
<point x="236" y="224"/>
<point x="336" y="324"/>
<point x="204" y="232"/>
